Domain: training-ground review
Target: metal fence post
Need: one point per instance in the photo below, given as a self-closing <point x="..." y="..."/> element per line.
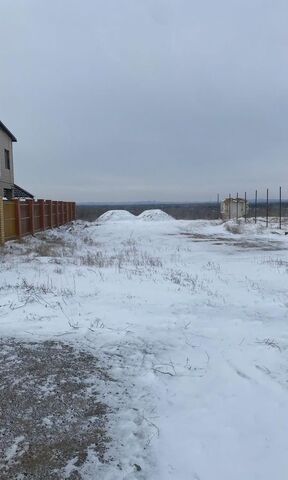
<point x="2" y="226"/>
<point x="267" y="207"/>
<point x="255" y="206"/>
<point x="280" y="208"/>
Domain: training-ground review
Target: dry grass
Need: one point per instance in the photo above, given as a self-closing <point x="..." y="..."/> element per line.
<point x="30" y="292"/>
<point x="184" y="279"/>
<point x="49" y="402"/>
<point x="121" y="259"/>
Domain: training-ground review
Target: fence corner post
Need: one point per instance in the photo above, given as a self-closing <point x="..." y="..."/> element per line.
<point x="2" y="227"/>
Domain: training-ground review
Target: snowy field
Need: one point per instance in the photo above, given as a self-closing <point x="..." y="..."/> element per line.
<point x="183" y="327"/>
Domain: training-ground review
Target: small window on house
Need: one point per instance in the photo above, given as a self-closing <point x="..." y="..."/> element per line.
<point x="7" y="159"/>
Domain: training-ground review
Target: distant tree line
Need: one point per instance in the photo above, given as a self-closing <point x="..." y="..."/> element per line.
<point x="180" y="211"/>
<point x="185" y="211"/>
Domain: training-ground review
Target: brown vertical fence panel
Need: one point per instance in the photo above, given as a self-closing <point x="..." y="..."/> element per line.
<point x="23" y="217"/>
<point x="37" y="217"/>
<point x="54" y="214"/>
<point x="31" y="204"/>
<point x="67" y="212"/>
<point x="47" y="215"/>
<point x="42" y="213"/>
<point x="64" y="212"/>
<point x="50" y="213"/>
<point x="10" y="220"/>
<point x="57" y="214"/>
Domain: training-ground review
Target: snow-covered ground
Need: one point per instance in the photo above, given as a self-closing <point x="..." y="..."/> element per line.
<point x="190" y="320"/>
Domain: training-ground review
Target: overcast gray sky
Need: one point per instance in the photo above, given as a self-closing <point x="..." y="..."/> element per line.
<point x="145" y="99"/>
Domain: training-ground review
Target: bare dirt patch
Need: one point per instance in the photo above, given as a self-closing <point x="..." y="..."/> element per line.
<point x="50" y="410"/>
<point x="241" y="243"/>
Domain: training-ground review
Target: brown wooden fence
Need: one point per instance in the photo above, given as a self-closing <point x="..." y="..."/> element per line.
<point x="24" y="217"/>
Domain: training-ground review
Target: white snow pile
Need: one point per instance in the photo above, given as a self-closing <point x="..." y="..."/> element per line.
<point x="242" y="227"/>
<point x="116" y="216"/>
<point x="155" y="215"/>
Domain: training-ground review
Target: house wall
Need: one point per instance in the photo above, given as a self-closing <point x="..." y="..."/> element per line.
<point x="6" y="176"/>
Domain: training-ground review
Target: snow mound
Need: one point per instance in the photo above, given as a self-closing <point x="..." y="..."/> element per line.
<point x="116" y="216"/>
<point x="242" y="227"/>
<point x="155" y="215"/>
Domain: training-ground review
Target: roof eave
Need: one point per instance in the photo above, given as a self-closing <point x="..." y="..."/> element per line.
<point x="7" y="131"/>
<point x="23" y="190"/>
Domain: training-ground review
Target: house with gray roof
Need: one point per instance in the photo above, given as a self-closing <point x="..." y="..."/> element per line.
<point x="8" y="189"/>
